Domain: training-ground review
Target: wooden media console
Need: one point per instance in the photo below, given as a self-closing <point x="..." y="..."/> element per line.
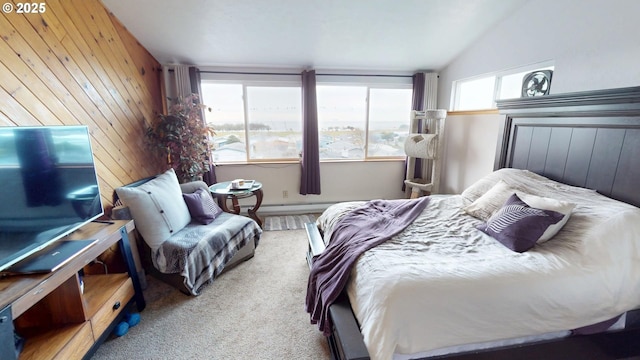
<point x="57" y="317"/>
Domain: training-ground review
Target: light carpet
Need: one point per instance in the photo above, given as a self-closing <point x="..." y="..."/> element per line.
<point x="253" y="311"/>
<point x="289" y="222"/>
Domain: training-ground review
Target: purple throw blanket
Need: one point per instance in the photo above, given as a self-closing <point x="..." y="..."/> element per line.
<point x="358" y="231"/>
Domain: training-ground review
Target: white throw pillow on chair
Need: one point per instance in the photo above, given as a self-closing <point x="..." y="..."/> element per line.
<point x="157" y="207"/>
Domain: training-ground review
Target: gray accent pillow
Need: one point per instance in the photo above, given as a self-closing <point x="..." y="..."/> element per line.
<point x="201" y="206"/>
<point x="157" y="207"/>
<point x="518" y="226"/>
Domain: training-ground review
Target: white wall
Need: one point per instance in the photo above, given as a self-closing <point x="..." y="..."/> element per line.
<point x="470" y="147"/>
<point x="594" y="45"/>
<point x="340" y="181"/>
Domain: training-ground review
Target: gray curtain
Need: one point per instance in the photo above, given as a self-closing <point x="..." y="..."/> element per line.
<point x="209" y="176"/>
<point x="417" y="104"/>
<point x="310" y="161"/>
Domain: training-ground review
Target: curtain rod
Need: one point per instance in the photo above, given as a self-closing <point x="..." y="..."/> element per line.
<point x="379" y="75"/>
<point x="274" y="73"/>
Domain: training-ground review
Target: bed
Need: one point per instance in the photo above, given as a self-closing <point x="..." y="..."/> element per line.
<point x="580" y="149"/>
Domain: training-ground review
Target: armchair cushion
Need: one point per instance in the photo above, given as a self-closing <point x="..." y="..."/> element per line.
<point x="201" y="206"/>
<point x="157" y="207"/>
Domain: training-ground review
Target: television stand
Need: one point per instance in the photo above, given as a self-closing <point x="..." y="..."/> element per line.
<point x="103" y="221"/>
<point x="54" y="316"/>
<point x="50" y="258"/>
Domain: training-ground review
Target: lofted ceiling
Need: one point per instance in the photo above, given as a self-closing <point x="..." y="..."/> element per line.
<point x="381" y="35"/>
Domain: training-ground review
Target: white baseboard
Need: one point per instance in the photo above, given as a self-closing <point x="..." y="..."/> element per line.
<point x="293" y="209"/>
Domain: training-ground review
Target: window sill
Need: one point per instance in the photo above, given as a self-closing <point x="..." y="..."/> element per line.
<point x="473" y="112"/>
<point x="293" y="162"/>
<point x="362" y="160"/>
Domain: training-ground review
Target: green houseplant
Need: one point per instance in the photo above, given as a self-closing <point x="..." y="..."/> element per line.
<point x="182" y="138"/>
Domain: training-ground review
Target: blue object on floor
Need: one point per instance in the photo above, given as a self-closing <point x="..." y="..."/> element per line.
<point x="121" y="329"/>
<point x="132" y="319"/>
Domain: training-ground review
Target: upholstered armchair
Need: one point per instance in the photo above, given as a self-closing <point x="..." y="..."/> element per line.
<point x="188" y="239"/>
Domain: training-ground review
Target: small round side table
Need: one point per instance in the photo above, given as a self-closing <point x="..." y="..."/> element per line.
<point x="223" y="191"/>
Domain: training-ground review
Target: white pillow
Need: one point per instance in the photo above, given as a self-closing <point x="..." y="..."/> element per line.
<point x="544" y="203"/>
<point x="486" y="205"/>
<point x="518" y="179"/>
<point x="157" y="207"/>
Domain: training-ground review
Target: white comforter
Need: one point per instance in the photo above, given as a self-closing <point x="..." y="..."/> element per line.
<point x="442" y="283"/>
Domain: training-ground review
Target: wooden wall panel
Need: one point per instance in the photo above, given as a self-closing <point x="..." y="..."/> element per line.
<point x="76" y="64"/>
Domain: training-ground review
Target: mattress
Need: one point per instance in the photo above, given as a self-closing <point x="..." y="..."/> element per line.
<point x="442" y="283"/>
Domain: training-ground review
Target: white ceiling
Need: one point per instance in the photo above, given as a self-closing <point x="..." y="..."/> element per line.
<point x="381" y="35"/>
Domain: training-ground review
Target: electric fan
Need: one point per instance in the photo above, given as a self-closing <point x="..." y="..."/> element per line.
<point x="536" y="83"/>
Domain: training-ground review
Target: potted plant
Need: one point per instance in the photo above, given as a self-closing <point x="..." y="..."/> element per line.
<point x="182" y="137"/>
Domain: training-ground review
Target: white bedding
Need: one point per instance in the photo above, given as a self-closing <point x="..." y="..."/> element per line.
<point x="442" y="283"/>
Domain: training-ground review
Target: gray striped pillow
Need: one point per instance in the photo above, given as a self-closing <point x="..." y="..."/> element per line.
<point x="517" y="225"/>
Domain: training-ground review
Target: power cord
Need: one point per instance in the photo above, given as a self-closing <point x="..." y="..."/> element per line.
<point x="96" y="261"/>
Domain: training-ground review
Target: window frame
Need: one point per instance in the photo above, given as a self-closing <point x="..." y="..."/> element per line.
<point x="497" y="86"/>
<point x="254" y="81"/>
<point x="370" y="82"/>
<point x="400" y="81"/>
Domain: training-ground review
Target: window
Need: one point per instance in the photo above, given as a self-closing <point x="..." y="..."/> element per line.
<point x="476" y="94"/>
<point x="275" y="122"/>
<point x="342" y="119"/>
<point x="481" y="92"/>
<point x="358" y="122"/>
<point x="270" y="121"/>
<point x="389" y="120"/>
<point x="226" y="114"/>
<point x="260" y="119"/>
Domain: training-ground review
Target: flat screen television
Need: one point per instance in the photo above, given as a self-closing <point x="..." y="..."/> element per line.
<point x="48" y="187"/>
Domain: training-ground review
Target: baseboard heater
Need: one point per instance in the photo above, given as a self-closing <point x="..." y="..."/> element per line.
<point x="292" y="209"/>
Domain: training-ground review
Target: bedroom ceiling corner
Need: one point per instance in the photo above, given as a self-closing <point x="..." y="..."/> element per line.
<point x="380" y="35"/>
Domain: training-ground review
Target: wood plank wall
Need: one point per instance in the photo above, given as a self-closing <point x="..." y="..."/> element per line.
<point x="76" y="64"/>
